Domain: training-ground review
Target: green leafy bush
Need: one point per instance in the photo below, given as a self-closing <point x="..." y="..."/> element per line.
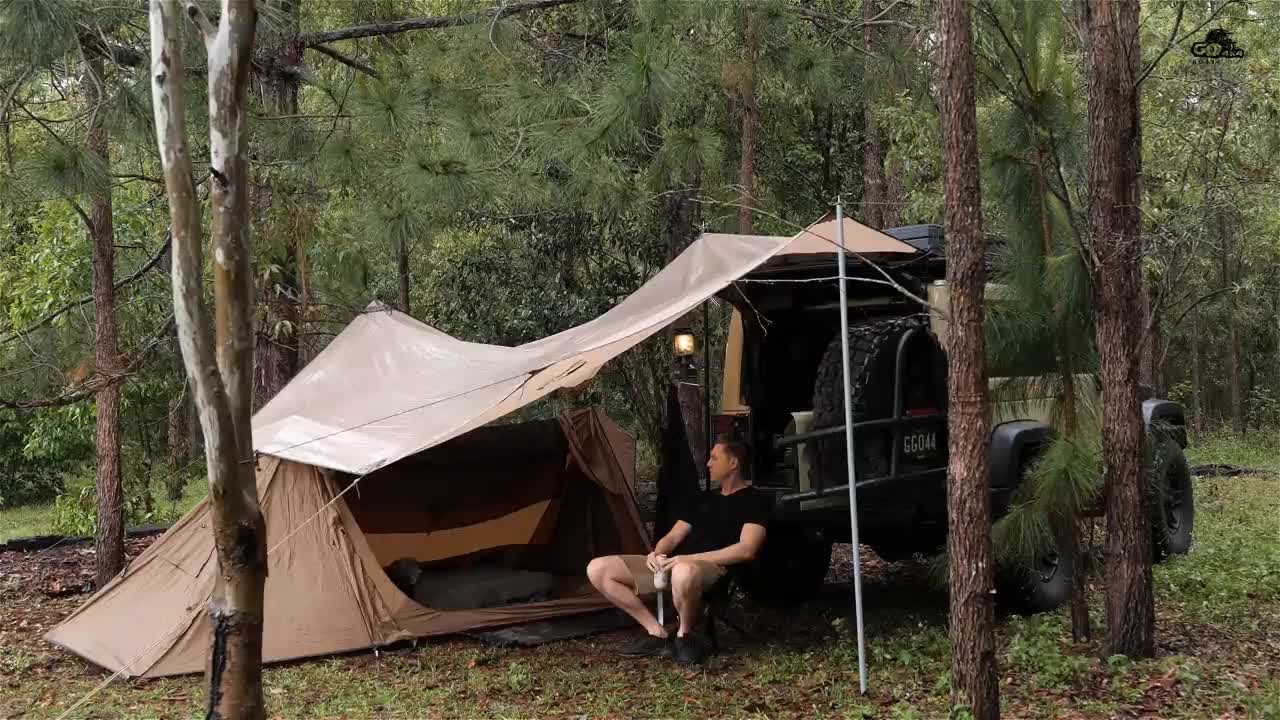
<point x="33" y="461"/>
<point x="76" y="513"/>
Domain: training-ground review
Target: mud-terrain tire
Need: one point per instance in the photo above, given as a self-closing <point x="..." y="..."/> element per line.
<point x="1170" y="501"/>
<point x="869" y="345"/>
<point x="1042" y="588"/>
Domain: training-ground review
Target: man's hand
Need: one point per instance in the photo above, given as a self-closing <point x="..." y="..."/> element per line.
<point x="654" y="561"/>
<point x="666" y="563"/>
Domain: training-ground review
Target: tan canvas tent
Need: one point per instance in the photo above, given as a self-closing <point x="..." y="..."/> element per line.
<point x="542" y="496"/>
<point x="357" y="438"/>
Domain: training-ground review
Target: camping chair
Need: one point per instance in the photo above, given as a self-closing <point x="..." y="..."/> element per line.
<point x="716" y="604"/>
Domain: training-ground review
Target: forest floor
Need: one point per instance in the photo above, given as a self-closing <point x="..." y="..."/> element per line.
<point x="1218" y="638"/>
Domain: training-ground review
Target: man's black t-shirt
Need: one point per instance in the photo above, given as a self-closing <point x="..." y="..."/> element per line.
<point x="717" y="519"/>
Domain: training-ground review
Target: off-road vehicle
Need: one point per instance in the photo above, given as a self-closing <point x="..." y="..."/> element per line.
<point x="782" y="388"/>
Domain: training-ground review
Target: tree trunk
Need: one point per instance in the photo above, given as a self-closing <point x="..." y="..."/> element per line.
<point x="750" y="109"/>
<point x="1114" y="150"/>
<point x="970" y="569"/>
<point x="109" y="529"/>
<point x="1197" y="381"/>
<point x="1157" y="374"/>
<point x="1147" y="342"/>
<point x="1276" y="348"/>
<point x="276" y="353"/>
<point x="402" y="252"/>
<point x="747" y="168"/>
<point x="235" y="610"/>
<point x="1237" y="368"/>
<point x="894" y="196"/>
<point x="872" y="148"/>
<point x="680" y="220"/>
<point x="223" y="382"/>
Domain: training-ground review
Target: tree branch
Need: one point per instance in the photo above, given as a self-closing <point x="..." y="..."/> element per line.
<point x="119" y="54"/>
<point x="88" y="223"/>
<point x="992" y="18"/>
<point x="13" y="93"/>
<point x="855" y="24"/>
<point x="201" y="21"/>
<point x="83" y="392"/>
<point x="349" y="62"/>
<point x="429" y="23"/>
<point x="87" y="390"/>
<point x="1177" y="23"/>
<point x="42" y="123"/>
<point x="146" y="178"/>
<point x="1185" y="313"/>
<point x="509" y="157"/>
<point x="150" y="264"/>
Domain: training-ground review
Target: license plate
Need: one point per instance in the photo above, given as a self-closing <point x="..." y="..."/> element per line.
<point x="920" y="443"/>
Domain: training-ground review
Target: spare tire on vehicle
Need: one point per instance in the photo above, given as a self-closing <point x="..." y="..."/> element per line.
<point x="873" y="350"/>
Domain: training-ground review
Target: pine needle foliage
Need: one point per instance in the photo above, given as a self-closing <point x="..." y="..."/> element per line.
<point x="62" y="170"/>
<point x="1039" y="328"/>
<point x="33" y="33"/>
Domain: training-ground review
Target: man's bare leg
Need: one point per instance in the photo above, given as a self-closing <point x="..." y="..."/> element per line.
<point x="610" y="576"/>
<point x="686" y="590"/>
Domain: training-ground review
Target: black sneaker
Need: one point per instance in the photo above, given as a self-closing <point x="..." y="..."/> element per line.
<point x="648" y="646"/>
<point x="689" y="651"/>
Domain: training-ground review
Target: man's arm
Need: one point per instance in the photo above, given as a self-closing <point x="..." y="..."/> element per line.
<point x="672" y="539"/>
<point x="745" y="550"/>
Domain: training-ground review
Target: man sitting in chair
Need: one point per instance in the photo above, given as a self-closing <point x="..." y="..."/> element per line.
<point x="725" y="528"/>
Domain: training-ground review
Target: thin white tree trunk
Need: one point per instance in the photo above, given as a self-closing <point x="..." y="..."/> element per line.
<point x="219" y="367"/>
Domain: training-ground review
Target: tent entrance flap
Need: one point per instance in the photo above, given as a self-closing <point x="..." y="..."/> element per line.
<point x="501" y="516"/>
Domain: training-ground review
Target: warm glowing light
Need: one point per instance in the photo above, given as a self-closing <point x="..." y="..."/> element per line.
<point x="684" y="344"/>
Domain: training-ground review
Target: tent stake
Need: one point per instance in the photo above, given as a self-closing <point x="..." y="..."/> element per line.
<point x="848" y="444"/>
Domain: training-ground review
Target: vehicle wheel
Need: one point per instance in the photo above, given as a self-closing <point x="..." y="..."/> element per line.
<point x="872" y="363"/>
<point x="790" y="569"/>
<point x="1040" y="588"/>
<point x="1171" y="502"/>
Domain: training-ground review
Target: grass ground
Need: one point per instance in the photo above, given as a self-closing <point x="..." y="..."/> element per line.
<point x="32" y="520"/>
<point x="1218" y="635"/>
<point x="26" y="521"/>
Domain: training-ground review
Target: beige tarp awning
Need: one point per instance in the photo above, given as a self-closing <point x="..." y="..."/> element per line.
<point x="390" y="386"/>
<point x="387" y="388"/>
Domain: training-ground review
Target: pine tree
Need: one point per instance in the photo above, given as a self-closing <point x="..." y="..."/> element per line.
<point x="1043" y="320"/>
<point x="971" y="576"/>
<point x="1115" y="144"/>
<point x="52" y="42"/>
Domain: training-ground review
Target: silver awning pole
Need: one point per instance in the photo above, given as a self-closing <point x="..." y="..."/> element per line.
<point x="848" y="444"/>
